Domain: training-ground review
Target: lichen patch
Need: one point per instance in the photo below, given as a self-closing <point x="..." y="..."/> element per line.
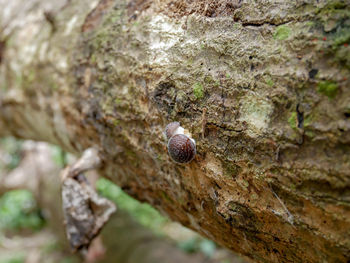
<point x="163" y="36"/>
<point x="255" y="111"/>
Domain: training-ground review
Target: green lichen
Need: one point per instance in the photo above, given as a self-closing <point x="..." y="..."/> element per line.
<point x="118" y="101"/>
<point x="198" y="90"/>
<point x="270" y="82"/>
<point x="310" y="23"/>
<point x="328" y="88"/>
<point x="236" y="25"/>
<point x="307" y="121"/>
<point x="282" y="32"/>
<point x="293" y="120"/>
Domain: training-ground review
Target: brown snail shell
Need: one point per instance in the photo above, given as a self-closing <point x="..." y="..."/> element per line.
<point x="171" y="128"/>
<point x="181" y="148"/>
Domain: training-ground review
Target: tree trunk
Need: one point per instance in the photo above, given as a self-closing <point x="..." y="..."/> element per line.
<point x="262" y="87"/>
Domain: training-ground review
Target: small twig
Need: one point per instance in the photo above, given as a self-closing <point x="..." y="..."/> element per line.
<point x="290" y="217"/>
<point x="204" y="121"/>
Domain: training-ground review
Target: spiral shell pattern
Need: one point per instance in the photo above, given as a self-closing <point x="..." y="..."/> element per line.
<point x="181" y="148"/>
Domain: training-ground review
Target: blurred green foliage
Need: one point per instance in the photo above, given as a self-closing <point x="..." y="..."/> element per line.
<point x="13" y="259"/>
<point x="142" y="213"/>
<point x="59" y="156"/>
<point x="69" y="260"/>
<point x="196" y="244"/>
<point x="12" y="148"/>
<point x="18" y="210"/>
<point x="149" y="217"/>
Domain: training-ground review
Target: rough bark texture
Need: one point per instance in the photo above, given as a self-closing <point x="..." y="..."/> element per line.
<point x="262" y="86"/>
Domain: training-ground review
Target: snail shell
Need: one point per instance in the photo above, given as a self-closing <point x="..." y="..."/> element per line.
<point x="181" y="148"/>
<point x="171" y="128"/>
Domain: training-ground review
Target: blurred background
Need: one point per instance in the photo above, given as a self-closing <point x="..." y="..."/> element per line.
<point x="32" y="225"/>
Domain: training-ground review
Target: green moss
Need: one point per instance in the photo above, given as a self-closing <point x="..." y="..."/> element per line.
<point x="118" y="101"/>
<point x="198" y="90"/>
<point x="236" y="25"/>
<point x="328" y="88"/>
<point x="270" y="82"/>
<point x="293" y="120"/>
<point x="116" y="122"/>
<point x="310" y="23"/>
<point x="282" y="32"/>
<point x="307" y="121"/>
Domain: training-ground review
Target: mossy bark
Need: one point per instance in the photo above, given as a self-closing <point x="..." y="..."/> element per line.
<point x="263" y="88"/>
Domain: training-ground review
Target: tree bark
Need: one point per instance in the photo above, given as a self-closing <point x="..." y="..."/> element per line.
<point x="263" y="88"/>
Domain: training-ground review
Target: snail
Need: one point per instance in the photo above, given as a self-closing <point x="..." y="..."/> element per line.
<point x="181" y="147"/>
